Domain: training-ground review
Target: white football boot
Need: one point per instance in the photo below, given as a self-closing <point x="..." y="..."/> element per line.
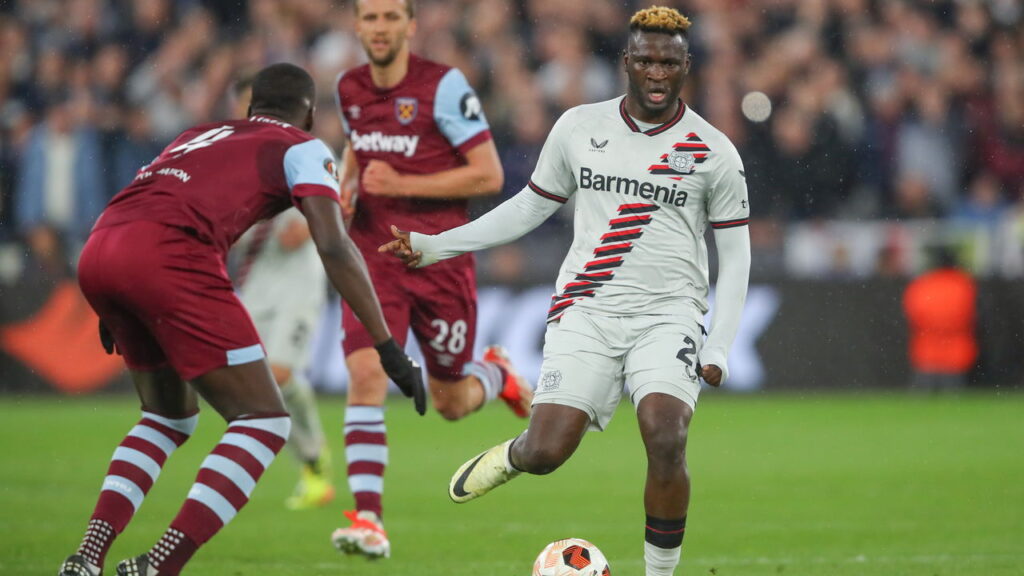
<point x="482" y="474"/>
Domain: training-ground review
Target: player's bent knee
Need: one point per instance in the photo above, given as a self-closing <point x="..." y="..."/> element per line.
<point x="543" y="459"/>
<point x="450" y="411"/>
<point x="667" y="448"/>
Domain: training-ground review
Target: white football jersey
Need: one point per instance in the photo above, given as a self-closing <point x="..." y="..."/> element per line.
<point x="643" y="200"/>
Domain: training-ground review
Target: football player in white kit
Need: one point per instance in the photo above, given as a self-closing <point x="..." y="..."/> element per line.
<point x="649" y="176"/>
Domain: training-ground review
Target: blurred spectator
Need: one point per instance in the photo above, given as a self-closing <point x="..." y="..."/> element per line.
<point x="928" y="152"/>
<point x="940" y="306"/>
<point x="60" y="189"/>
<point x="984" y="203"/>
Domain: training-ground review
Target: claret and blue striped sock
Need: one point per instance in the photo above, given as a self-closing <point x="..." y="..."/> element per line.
<point x="133" y="470"/>
<point x="223" y="486"/>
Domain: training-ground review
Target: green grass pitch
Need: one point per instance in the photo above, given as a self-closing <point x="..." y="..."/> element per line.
<point x="846" y="484"/>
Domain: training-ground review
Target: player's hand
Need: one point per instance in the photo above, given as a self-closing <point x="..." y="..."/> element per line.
<point x="711" y="374"/>
<point x="107" y="339"/>
<point x="380" y="179"/>
<point x="347" y="200"/>
<point x="405" y="372"/>
<point x="401" y="247"/>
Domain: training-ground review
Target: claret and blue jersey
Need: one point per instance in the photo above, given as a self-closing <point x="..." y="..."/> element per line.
<point x="219" y="179"/>
<point x="422" y="125"/>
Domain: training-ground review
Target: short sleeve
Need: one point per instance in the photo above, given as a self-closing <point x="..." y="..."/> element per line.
<point x="310" y="170"/>
<point x="727" y="204"/>
<point x="553" y="176"/>
<point x="340" y="102"/>
<point x="458" y="112"/>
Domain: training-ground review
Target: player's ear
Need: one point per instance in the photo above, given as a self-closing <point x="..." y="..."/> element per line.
<point x="309" y="118"/>
<point x="412" y="28"/>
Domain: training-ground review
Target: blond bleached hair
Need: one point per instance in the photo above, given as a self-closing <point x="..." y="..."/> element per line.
<point x="660" y="19"/>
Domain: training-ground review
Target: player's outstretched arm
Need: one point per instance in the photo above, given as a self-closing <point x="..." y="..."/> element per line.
<point x="733" y="245"/>
<point x="346" y="270"/>
<point x="507" y="222"/>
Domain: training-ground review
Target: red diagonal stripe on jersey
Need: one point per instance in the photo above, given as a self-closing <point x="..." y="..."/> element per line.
<point x="630" y="234"/>
<point x="561" y="305"/>
<point x="601" y="249"/>
<point x="603" y="261"/>
<point x="633" y="206"/>
<point x="626" y="220"/>
<point x="638" y="208"/>
<point x="659" y="167"/>
<point x="578" y="285"/>
<point x="598" y="276"/>
<point x="690" y="146"/>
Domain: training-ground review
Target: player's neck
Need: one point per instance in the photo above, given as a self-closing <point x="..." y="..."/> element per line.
<point x="385" y="77"/>
<point x="638" y="113"/>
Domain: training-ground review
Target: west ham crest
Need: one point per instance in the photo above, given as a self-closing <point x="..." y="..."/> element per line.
<point x="406" y="109"/>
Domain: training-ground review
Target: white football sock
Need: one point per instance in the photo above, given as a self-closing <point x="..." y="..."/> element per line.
<point x="660" y="561"/>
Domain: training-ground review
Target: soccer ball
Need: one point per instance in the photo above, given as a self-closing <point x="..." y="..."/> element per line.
<point x="571" y="557"/>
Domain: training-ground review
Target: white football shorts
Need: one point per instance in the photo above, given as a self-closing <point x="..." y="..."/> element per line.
<point x="588" y="358"/>
<point x="286" y="326"/>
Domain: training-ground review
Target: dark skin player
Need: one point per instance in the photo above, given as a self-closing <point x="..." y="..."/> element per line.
<point x="656" y="65"/>
<point x="249" y="388"/>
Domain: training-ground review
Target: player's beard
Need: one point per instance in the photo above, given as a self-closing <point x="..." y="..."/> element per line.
<point x="388" y="57"/>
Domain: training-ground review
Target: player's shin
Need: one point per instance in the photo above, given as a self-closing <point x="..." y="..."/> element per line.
<point x="663" y="544"/>
<point x="223" y="486"/>
<point x="133" y="470"/>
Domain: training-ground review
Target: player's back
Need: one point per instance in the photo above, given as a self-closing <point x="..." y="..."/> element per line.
<point x="214" y="180"/>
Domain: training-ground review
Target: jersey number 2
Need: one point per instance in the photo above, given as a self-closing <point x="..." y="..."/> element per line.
<point x="684" y="355"/>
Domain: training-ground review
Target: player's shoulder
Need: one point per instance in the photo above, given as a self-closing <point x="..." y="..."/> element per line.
<point x="587" y="114"/>
<point x="426" y="70"/>
<point x="356" y="78"/>
<point x="694" y="123"/>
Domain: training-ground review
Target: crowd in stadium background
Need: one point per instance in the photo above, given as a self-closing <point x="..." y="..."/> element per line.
<point x="905" y="116"/>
